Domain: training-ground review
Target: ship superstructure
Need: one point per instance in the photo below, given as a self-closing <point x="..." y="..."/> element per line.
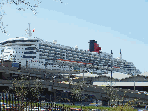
<point x="37" y="53"/>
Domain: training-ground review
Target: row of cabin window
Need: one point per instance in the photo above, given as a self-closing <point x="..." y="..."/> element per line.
<point x="34" y="64"/>
<point x="29" y="48"/>
<point x="36" y="61"/>
<point x="29" y="56"/>
<point x="14" y="41"/>
<point x="27" y="52"/>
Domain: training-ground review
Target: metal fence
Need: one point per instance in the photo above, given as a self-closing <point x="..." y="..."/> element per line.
<point x="10" y="102"/>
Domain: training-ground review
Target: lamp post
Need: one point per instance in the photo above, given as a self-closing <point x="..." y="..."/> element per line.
<point x="81" y="99"/>
<point x="111" y="78"/>
<point x="111" y="68"/>
<point x="134" y="81"/>
<point x="83" y="72"/>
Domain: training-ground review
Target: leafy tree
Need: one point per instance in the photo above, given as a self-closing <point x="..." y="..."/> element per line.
<point x="21" y="5"/>
<point x="24" y="90"/>
<point x="77" y="92"/>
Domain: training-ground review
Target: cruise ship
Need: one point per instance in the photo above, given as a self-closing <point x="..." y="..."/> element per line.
<point x="37" y="53"/>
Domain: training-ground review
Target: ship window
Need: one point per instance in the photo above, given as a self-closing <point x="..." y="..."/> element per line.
<point x="16" y="52"/>
<point x="19" y="48"/>
<point x="22" y="52"/>
<point x="29" y="56"/>
<point x="22" y="48"/>
<point x="13" y="51"/>
<point x="19" y="52"/>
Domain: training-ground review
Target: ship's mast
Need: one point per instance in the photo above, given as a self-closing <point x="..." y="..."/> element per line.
<point x="120" y="55"/>
<point x="29" y="31"/>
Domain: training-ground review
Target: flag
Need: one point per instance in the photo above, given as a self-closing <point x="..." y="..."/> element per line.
<point x="33" y="29"/>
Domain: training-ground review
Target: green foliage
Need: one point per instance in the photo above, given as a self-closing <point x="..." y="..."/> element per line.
<point x="77" y="91"/>
<point x="88" y="108"/>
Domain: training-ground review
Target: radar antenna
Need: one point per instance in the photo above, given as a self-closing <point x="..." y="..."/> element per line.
<point x="29" y="31"/>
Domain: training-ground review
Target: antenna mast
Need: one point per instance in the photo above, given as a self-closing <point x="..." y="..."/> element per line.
<point x="29" y="31"/>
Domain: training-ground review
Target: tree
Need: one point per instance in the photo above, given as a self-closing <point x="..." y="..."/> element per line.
<point x="77" y="92"/>
<point x="19" y="4"/>
<point x="112" y="92"/>
<point x="24" y="90"/>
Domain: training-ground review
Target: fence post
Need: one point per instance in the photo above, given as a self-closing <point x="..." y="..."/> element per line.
<point x="26" y="105"/>
<point x="40" y="102"/>
<point x="31" y="104"/>
<point x="49" y="106"/>
<point x="21" y="105"/>
<point x="55" y="107"/>
<point x="13" y="101"/>
<point x="3" y="101"/>
<point x="18" y="104"/>
<point x="6" y="99"/>
<point x="63" y="107"/>
<point x="9" y="101"/>
<point x="0" y="103"/>
<point x="38" y="106"/>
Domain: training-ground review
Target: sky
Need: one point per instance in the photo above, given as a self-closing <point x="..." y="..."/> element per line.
<point x="114" y="24"/>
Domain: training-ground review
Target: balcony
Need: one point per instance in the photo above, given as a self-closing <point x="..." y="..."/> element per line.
<point x="53" y="48"/>
<point x="69" y="51"/>
<point x="70" y="57"/>
<point x="70" y="54"/>
<point x="42" y="46"/>
<point x="102" y="62"/>
<point x="52" y="51"/>
<point x="46" y="53"/>
<point x="75" y="55"/>
<point x="51" y="57"/>
<point x="51" y="54"/>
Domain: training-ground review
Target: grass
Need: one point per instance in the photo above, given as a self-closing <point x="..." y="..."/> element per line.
<point x="118" y="108"/>
<point x="87" y="108"/>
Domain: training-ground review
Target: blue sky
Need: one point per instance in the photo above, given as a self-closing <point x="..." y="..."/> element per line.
<point x="114" y="24"/>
